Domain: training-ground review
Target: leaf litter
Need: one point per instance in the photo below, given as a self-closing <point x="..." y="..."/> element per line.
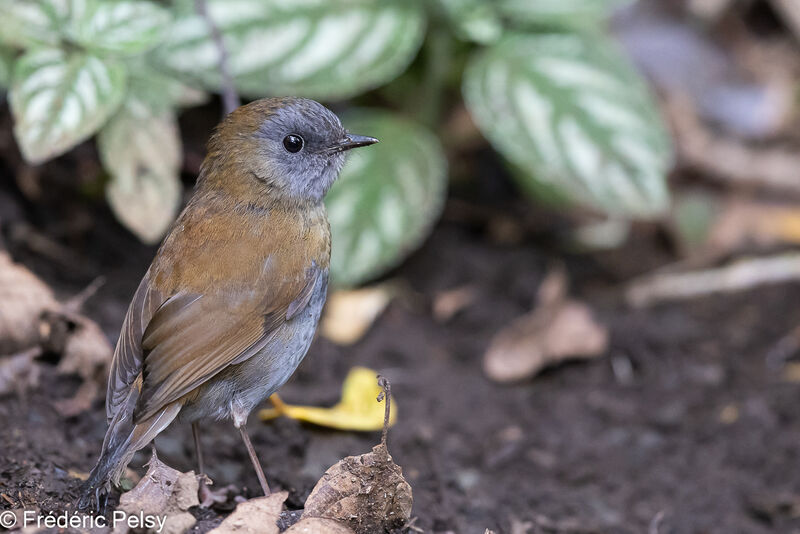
<point x="559" y="328"/>
<point x="164" y="492"/>
<point x="357" y="409"/>
<point x="33" y="322"/>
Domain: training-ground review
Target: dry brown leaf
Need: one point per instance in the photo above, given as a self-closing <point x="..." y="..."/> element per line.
<point x="86" y="351"/>
<point x="744" y="222"/>
<point x="256" y="516"/>
<point x="30" y="316"/>
<point x="163" y="492"/>
<point x="23" y="298"/>
<point x="349" y="313"/>
<point x="557" y="330"/>
<point x="367" y="492"/>
<point x="318" y="525"/>
<point x="19" y="372"/>
<point x="446" y="304"/>
<point x="80" y="402"/>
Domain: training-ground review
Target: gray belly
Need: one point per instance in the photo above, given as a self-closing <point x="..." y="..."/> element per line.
<point x="236" y="390"/>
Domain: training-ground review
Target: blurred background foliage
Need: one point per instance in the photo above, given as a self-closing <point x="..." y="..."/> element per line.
<point x="541" y="80"/>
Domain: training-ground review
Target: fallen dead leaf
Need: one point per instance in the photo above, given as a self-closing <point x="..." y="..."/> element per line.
<point x="349" y="313"/>
<point x="741" y="223"/>
<point x="86" y="353"/>
<point x="558" y="329"/>
<point x="163" y="492"/>
<point x="23" y="298"/>
<point x="446" y="304"/>
<point x="356" y="411"/>
<point x="256" y="516"/>
<point x="367" y="492"/>
<point x="33" y="321"/>
<point x="19" y="372"/>
<point x="318" y="525"/>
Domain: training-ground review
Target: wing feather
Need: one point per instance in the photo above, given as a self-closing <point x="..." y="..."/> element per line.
<point x="191" y="338"/>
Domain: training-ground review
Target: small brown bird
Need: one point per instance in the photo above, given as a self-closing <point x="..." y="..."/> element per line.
<point x="229" y="306"/>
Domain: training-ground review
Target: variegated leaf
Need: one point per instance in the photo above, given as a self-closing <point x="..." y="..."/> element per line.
<point x="558" y="12"/>
<point x="29" y="23"/>
<point x="315" y="48"/>
<point x="61" y="98"/>
<point x="473" y="20"/>
<point x="570" y="112"/>
<point x="119" y="27"/>
<point x="141" y="148"/>
<point x="387" y="198"/>
<point x="6" y="64"/>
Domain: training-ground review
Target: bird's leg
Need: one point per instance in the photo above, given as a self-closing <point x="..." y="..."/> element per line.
<point x="198" y="451"/>
<point x="253" y="458"/>
<point x="207" y="497"/>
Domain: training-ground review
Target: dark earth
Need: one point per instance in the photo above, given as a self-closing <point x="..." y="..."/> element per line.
<point x="693" y="433"/>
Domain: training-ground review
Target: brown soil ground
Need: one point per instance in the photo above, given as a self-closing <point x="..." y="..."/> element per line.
<point x="699" y="428"/>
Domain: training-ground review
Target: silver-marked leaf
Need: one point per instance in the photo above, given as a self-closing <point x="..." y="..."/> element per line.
<point x="27" y="23"/>
<point x="474" y="20"/>
<point x="120" y="27"/>
<point x="141" y="148"/>
<point x="159" y="90"/>
<point x="60" y="98"/>
<point x="387" y="198"/>
<point x="6" y="64"/>
<point x="559" y="12"/>
<point x="315" y="48"/>
<point x="569" y="111"/>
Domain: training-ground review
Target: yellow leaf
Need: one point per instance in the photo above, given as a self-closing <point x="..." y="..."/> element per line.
<point x="359" y="408"/>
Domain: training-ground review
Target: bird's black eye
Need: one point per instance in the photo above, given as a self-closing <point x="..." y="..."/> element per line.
<point x="293" y="143"/>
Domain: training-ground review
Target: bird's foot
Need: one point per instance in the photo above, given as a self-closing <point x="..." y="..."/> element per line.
<point x="208" y="497"/>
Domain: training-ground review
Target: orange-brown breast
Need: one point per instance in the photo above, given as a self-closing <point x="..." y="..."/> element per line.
<point x="217" y="247"/>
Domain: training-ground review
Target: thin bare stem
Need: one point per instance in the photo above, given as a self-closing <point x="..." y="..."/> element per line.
<point x="230" y="98"/>
<point x="383" y="382"/>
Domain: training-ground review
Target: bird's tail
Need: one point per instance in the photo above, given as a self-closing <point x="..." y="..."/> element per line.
<point x="123" y="439"/>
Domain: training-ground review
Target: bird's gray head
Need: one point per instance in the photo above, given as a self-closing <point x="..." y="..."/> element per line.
<point x="294" y="147"/>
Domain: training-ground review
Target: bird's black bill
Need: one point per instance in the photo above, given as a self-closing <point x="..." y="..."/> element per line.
<point x="355" y="141"/>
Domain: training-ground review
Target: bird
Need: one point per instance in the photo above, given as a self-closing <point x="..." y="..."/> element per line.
<point x="229" y="305"/>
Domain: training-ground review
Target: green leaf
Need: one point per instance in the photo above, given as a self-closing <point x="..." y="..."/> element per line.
<point x="570" y="111"/>
<point x="6" y="64"/>
<point x="117" y="27"/>
<point x="141" y="148"/>
<point x="159" y="90"/>
<point x="59" y="99"/>
<point x="315" y="48"/>
<point x="29" y="23"/>
<point x="566" y="13"/>
<point x="387" y="198"/>
<point x="473" y="20"/>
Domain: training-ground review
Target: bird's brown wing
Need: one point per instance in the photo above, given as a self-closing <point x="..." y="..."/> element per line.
<point x="193" y="337"/>
<point x="127" y="362"/>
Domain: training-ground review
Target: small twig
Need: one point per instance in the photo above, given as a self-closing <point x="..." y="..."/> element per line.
<point x="230" y="99"/>
<point x="383" y="382"/>
<point x="739" y="276"/>
<point x="76" y="302"/>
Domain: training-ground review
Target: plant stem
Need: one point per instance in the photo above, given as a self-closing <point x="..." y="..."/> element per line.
<point x="230" y="98"/>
